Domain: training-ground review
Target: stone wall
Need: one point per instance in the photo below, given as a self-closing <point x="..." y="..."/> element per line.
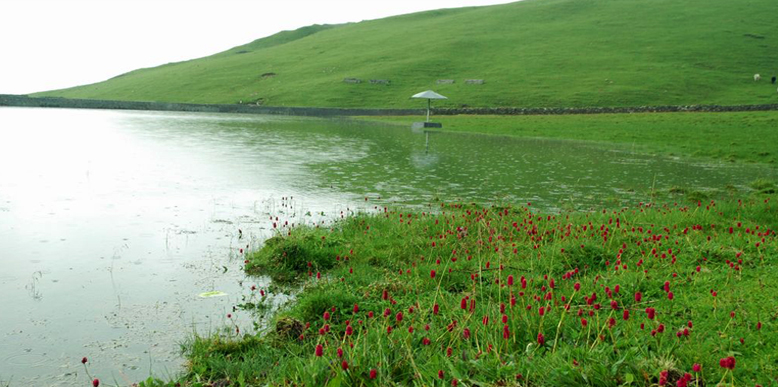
<point x="24" y="101"/>
<point x="606" y="110"/>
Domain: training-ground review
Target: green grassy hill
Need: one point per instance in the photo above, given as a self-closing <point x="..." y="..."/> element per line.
<point x="530" y="53"/>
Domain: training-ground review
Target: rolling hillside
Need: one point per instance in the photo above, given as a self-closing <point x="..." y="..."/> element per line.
<point x="529" y="53"/>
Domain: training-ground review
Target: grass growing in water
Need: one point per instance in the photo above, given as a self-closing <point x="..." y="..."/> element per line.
<point x="502" y="296"/>
<point x="720" y="136"/>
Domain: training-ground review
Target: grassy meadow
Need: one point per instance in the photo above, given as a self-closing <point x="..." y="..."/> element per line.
<point x="529" y="53"/>
<point x="679" y="294"/>
<point x="749" y="137"/>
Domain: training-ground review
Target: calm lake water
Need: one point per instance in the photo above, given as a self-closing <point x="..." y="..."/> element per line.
<point x="112" y="223"/>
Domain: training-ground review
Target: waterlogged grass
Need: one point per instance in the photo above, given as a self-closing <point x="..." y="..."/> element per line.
<point x="509" y="296"/>
<point x="529" y="53"/>
<point x="720" y="136"/>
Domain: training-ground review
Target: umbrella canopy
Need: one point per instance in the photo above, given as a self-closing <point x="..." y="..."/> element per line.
<point x="429" y="95"/>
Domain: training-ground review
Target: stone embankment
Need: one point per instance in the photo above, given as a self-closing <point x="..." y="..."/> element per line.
<point x="52" y="102"/>
<point x="25" y="101"/>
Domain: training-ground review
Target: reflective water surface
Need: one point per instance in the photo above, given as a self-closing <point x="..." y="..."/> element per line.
<point x="112" y="223"/>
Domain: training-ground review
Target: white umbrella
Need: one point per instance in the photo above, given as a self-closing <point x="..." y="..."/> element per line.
<point x="429" y="95"/>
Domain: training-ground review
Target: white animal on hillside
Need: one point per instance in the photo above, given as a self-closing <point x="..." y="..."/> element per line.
<point x="757" y="77"/>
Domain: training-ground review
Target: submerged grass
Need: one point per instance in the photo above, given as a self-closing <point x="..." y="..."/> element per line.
<point x="508" y="296"/>
<point x="720" y="136"/>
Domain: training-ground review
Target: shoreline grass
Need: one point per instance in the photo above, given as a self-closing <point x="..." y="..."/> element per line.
<point x="716" y="136"/>
<point x="508" y="296"/>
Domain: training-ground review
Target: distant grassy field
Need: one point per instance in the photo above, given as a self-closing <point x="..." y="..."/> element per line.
<point x="530" y="53"/>
<point x="744" y="137"/>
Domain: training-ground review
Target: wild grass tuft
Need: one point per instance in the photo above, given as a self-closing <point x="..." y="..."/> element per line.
<point x="509" y="296"/>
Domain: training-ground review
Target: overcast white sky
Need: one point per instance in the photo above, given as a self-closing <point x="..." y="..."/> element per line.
<point x="51" y="44"/>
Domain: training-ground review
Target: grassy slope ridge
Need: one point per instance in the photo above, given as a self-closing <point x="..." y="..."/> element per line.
<point x="531" y="53"/>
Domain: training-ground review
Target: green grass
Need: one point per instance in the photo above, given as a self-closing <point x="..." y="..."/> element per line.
<point x="745" y="137"/>
<point x="503" y="264"/>
<point x="530" y="53"/>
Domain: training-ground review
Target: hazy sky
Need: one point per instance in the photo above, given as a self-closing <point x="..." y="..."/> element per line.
<point x="51" y="44"/>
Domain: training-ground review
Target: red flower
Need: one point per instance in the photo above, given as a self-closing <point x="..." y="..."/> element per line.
<point x="319" y="350"/>
<point x="326" y="316"/>
<point x="399" y="317"/>
<point x="638" y="297"/>
<point x="356" y="308"/>
<point x="344" y="365"/>
<point x="696" y="367"/>
<point x="373" y="373"/>
<point x="506" y="333"/>
<point x="441" y="374"/>
<point x="435" y="309"/>
<point x="83" y="360"/>
<point x="340" y="352"/>
<point x="727" y="362"/>
<point x="96" y="383"/>
<point x="541" y="339"/>
<point x="349" y="330"/>
<point x="432" y="273"/>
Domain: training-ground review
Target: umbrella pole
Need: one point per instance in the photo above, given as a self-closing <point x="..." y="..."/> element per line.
<point x="429" y="103"/>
